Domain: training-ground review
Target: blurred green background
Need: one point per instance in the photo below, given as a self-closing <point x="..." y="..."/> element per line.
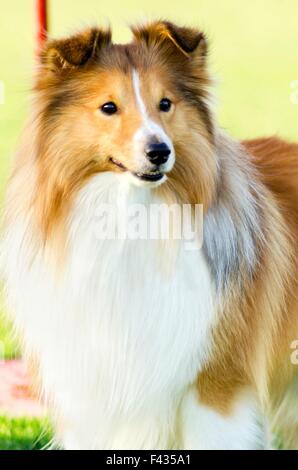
<point x="253" y="55"/>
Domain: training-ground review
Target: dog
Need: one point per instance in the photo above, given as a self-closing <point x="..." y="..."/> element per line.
<point x="142" y="343"/>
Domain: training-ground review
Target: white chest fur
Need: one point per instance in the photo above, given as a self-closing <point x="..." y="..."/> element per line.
<point x="119" y="337"/>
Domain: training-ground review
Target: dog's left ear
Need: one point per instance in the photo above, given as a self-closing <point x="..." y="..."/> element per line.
<point x="189" y="41"/>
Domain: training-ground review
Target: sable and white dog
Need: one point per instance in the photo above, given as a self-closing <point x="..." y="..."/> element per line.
<point x="144" y="344"/>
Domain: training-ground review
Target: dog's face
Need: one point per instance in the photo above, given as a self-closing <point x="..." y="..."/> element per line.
<point x="138" y="109"/>
<point x="127" y="119"/>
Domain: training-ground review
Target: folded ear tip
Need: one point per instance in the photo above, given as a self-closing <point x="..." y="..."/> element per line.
<point x="75" y="50"/>
<point x="187" y="39"/>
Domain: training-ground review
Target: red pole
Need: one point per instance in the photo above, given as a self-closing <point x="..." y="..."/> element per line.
<point x="42" y="21"/>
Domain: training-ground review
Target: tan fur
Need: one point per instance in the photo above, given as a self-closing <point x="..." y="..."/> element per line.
<point x="253" y="344"/>
<point x="62" y="165"/>
<point x="259" y="318"/>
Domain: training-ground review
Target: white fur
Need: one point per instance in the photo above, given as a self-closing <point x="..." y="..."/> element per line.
<point x="148" y="129"/>
<point x="121" y="333"/>
<point x="206" y="429"/>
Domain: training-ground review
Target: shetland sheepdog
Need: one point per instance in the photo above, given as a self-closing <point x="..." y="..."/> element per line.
<point x="142" y="343"/>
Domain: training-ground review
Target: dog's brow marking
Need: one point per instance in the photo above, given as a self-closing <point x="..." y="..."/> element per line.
<point x="148" y="128"/>
<point x="137" y="90"/>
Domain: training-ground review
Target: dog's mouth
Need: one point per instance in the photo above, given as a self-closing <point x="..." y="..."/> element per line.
<point x="152" y="176"/>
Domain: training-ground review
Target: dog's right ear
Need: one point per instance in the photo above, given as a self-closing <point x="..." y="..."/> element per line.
<point x="60" y="55"/>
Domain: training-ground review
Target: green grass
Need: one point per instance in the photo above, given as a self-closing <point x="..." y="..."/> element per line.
<point x="9" y="349"/>
<point x="8" y="346"/>
<point x="253" y="52"/>
<point x="24" y="434"/>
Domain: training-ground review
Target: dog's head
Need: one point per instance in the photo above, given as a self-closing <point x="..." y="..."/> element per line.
<point x="140" y="109"/>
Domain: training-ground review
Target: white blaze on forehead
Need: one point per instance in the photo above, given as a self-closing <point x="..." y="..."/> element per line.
<point x="137" y="91"/>
<point x="149" y="127"/>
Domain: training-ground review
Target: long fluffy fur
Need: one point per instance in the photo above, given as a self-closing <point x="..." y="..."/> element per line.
<point x="248" y="267"/>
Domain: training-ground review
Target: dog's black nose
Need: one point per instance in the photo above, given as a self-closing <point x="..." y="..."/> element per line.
<point x="158" y="153"/>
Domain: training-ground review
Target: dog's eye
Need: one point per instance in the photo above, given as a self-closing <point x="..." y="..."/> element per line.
<point x="109" y="108"/>
<point x="165" y="105"/>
